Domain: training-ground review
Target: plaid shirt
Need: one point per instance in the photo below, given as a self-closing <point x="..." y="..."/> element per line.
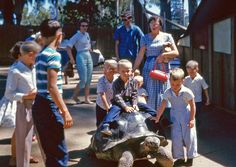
<point x="124" y="93"/>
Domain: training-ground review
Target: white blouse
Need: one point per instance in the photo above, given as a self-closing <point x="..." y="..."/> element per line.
<point x="21" y="80"/>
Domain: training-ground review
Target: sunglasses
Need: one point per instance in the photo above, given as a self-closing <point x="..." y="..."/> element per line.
<point x="84" y="25"/>
<point x="127" y="18"/>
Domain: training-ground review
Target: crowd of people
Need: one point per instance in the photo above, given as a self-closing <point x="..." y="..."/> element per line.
<point x="33" y="100"/>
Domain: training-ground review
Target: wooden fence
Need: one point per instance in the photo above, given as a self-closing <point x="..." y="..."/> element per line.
<point x="9" y="35"/>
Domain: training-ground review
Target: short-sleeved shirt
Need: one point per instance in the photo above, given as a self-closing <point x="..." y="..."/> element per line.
<point x="142" y="95"/>
<point x="128" y="40"/>
<point x="47" y="59"/>
<point x="104" y="86"/>
<point x="81" y="41"/>
<point x="185" y="93"/>
<point x="196" y="85"/>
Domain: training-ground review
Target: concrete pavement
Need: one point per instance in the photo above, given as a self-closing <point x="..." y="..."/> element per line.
<point x="216" y="134"/>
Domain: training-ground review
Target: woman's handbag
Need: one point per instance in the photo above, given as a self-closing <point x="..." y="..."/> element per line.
<point x="158" y="74"/>
<point x="68" y="70"/>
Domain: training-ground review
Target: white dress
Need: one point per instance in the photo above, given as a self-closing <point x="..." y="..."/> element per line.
<point x="7" y="110"/>
<point x="7" y="113"/>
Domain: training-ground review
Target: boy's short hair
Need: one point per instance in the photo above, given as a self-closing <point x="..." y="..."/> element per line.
<point x="48" y="28"/>
<point x="124" y="63"/>
<point x="112" y="63"/>
<point x="138" y="78"/>
<point x="137" y="72"/>
<point x="29" y="46"/>
<point x="192" y="64"/>
<point x="176" y="74"/>
<point x="15" y="50"/>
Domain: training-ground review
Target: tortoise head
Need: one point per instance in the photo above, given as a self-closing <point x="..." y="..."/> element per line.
<point x="151" y="143"/>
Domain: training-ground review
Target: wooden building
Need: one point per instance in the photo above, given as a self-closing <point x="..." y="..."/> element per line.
<point x="211" y="40"/>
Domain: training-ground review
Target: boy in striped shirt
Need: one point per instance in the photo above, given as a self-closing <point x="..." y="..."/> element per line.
<point x="50" y="113"/>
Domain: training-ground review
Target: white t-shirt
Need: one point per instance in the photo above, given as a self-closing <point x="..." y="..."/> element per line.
<point x="81" y="41"/>
<point x="196" y="85"/>
<point x="104" y="86"/>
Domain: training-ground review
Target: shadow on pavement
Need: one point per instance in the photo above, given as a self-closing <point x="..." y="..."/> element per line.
<point x="88" y="159"/>
<point x="92" y="132"/>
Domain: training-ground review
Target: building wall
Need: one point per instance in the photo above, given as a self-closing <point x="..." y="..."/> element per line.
<point x="217" y="68"/>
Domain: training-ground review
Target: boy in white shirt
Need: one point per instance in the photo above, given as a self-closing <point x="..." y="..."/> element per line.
<point x="196" y="83"/>
<point x="104" y="90"/>
<point x="182" y="113"/>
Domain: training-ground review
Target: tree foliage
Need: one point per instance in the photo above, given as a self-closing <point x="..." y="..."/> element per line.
<point x="35" y="16"/>
<point x="99" y="13"/>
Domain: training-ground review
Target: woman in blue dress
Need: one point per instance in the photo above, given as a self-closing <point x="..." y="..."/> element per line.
<point x="153" y="45"/>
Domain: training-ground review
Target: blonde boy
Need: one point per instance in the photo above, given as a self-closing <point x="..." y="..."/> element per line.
<point x="124" y="96"/>
<point x="196" y="83"/>
<point x="104" y="90"/>
<point x="142" y="93"/>
<point x="183" y="132"/>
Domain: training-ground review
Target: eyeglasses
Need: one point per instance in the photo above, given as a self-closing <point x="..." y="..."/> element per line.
<point x="127" y="18"/>
<point x="84" y="25"/>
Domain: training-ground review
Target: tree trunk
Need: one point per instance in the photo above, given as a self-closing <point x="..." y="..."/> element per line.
<point x="8" y="8"/>
<point x="19" y="6"/>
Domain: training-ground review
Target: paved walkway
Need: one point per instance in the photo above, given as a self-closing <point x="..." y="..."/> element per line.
<point x="216" y="134"/>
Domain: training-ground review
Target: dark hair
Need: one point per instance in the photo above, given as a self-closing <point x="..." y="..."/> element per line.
<point x="155" y="18"/>
<point x="48" y="28"/>
<point x="82" y="21"/>
<point x="15" y="50"/>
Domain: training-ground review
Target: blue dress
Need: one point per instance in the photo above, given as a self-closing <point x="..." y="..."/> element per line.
<point x="154" y="47"/>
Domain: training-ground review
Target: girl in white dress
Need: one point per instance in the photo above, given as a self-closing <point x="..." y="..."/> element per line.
<point x="7" y="106"/>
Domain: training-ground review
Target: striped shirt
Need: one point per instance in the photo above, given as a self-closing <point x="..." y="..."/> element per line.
<point x="47" y="59"/>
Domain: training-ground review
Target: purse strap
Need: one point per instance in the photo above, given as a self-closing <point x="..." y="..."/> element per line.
<point x="163" y="67"/>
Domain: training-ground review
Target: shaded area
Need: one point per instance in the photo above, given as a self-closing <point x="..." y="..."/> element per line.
<point x="4" y="160"/>
<point x="2" y="84"/>
<point x="5" y="141"/>
<point x="87" y="159"/>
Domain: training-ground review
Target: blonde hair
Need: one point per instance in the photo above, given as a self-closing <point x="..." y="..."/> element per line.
<point x="29" y="46"/>
<point x="110" y="62"/>
<point x="124" y="63"/>
<point x="176" y="74"/>
<point x="192" y="64"/>
<point x="138" y="78"/>
<point x="137" y="72"/>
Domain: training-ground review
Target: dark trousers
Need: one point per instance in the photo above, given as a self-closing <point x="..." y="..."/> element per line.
<point x="115" y="111"/>
<point x="49" y="124"/>
<point x="198" y="112"/>
<point x="100" y="114"/>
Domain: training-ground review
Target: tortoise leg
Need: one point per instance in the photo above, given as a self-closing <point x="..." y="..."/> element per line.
<point x="126" y="159"/>
<point x="164" y="158"/>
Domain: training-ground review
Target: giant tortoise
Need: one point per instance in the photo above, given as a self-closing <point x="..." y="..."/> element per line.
<point x="131" y="140"/>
